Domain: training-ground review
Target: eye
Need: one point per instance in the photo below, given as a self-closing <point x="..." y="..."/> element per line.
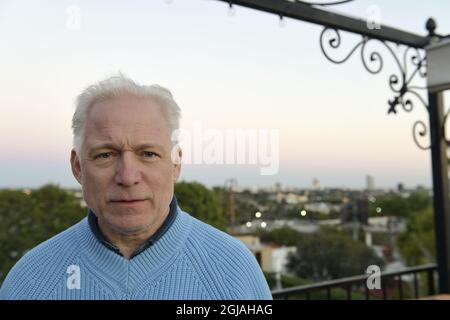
<point x="149" y="154"/>
<point x="104" y="155"/>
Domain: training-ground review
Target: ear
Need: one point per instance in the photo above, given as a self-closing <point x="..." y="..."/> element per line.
<point x="76" y="167"/>
<point x="177" y="163"/>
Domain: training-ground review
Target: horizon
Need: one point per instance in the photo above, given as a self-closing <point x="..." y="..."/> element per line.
<point x="282" y="187"/>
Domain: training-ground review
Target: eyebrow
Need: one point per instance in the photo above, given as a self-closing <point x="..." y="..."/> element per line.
<point x="140" y="146"/>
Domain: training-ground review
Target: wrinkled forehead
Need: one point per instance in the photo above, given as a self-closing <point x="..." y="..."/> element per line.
<point x="127" y="119"/>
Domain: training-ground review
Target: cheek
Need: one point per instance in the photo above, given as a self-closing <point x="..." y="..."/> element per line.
<point x="160" y="181"/>
<point x="162" y="175"/>
<point x="95" y="181"/>
<point x="157" y="180"/>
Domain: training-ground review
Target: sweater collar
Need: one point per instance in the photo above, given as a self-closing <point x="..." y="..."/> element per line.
<point x="93" y="224"/>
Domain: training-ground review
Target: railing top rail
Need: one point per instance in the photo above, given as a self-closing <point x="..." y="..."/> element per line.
<point x="351" y="280"/>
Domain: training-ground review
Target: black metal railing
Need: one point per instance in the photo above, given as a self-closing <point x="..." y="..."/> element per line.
<point x="392" y="286"/>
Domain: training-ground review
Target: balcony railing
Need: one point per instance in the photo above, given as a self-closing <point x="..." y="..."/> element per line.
<point x="393" y="285"/>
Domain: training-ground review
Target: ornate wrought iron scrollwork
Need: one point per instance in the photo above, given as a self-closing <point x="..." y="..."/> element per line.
<point x="420" y="129"/>
<point x="405" y="94"/>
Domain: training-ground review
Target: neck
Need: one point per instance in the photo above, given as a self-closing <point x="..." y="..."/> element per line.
<point x="129" y="242"/>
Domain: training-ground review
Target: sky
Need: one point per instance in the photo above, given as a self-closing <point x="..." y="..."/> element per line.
<point x="226" y="72"/>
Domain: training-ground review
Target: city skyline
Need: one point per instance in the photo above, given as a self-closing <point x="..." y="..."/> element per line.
<point x="275" y="187"/>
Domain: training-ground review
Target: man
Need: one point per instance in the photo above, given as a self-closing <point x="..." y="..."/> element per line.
<point x="135" y="243"/>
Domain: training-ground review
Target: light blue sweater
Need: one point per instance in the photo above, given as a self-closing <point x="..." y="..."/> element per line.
<point x="191" y="260"/>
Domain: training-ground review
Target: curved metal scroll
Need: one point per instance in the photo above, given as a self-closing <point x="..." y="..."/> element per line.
<point x="405" y="94"/>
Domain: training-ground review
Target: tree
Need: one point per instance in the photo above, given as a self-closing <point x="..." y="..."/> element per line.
<point x="27" y="220"/>
<point x="330" y="255"/>
<point x="392" y="205"/>
<point x="201" y="203"/>
<point x="395" y="205"/>
<point x="417" y="244"/>
<point x="419" y="201"/>
<point x="283" y="236"/>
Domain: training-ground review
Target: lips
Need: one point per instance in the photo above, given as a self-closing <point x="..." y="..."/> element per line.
<point x="128" y="200"/>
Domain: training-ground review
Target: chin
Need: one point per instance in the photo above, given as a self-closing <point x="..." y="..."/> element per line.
<point x="133" y="228"/>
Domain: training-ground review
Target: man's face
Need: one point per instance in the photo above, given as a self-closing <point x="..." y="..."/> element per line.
<point x="125" y="166"/>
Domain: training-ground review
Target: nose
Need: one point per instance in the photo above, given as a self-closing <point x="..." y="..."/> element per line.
<point x="128" y="173"/>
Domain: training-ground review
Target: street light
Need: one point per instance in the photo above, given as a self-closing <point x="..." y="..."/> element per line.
<point x="258" y="214"/>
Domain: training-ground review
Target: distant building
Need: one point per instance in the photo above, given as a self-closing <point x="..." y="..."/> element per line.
<point x="280" y="259"/>
<point x="254" y="190"/>
<point x="316" y="184"/>
<point x="322" y="207"/>
<point x="289" y="198"/>
<point x="356" y="211"/>
<point x="400" y="187"/>
<point x="422" y="188"/>
<point x="370" y="183"/>
<point x="270" y="258"/>
<point x="384" y="224"/>
<point x="278" y="187"/>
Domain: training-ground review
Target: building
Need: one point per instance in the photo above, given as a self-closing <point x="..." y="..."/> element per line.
<point x="315" y="184"/>
<point x="356" y="211"/>
<point x="270" y="258"/>
<point x="370" y="183"/>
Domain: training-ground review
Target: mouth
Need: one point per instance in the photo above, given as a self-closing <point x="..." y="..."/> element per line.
<point x="128" y="201"/>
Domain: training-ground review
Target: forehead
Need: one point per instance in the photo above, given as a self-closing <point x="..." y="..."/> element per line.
<point x="126" y="119"/>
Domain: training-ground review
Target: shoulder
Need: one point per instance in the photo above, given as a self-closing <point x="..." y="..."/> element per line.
<point x="228" y="260"/>
<point x="210" y="241"/>
<point x="211" y="236"/>
<point x="37" y="268"/>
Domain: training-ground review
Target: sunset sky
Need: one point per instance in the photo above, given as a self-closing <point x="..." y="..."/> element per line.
<point x="229" y="72"/>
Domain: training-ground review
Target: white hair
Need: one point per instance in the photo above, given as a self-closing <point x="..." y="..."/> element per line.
<point x="115" y="87"/>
